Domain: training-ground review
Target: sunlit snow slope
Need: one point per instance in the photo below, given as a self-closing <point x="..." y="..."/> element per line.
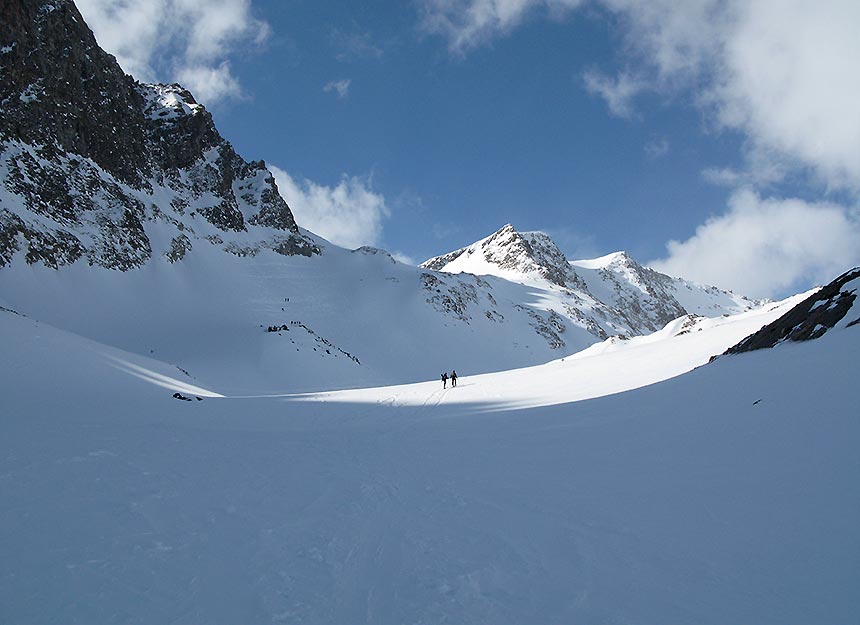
<point x="612" y="366"/>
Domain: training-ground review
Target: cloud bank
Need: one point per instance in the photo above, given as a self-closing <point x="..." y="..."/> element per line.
<point x="767" y="247"/>
<point x="349" y="214"/>
<point x="783" y="72"/>
<point x="189" y="41"/>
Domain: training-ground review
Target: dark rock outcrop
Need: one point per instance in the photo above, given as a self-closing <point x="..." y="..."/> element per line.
<point x="59" y="90"/>
<point x="810" y="319"/>
<point x="89" y="158"/>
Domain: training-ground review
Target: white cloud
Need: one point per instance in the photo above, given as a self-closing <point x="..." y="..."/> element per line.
<point x="340" y="87"/>
<point x="679" y="39"/>
<point x="789" y="79"/>
<point x="783" y="72"/>
<point x="469" y="23"/>
<point x="657" y="148"/>
<point x="177" y="40"/>
<point x="210" y="84"/>
<point x="618" y="92"/>
<point x="349" y="214"/>
<point x="767" y="247"/>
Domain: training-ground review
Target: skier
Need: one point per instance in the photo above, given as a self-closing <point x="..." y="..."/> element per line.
<point x="445" y="380"/>
<point x="453" y="378"/>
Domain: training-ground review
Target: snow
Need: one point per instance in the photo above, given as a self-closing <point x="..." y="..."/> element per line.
<point x="320" y="474"/>
<point x="725" y="495"/>
<point x="208" y="315"/>
<point x="32" y="93"/>
<point x="609" y="296"/>
<point x="167" y="101"/>
<point x="616" y="485"/>
<point x="600" y="263"/>
<point x="603" y="369"/>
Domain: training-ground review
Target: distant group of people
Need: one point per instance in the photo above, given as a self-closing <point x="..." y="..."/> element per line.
<point x="453" y="379"/>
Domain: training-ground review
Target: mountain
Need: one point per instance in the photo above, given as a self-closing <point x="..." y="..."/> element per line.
<point x="174" y="446"/>
<point x="99" y="167"/>
<point x="509" y="254"/>
<point x="612" y="295"/>
<point x="118" y="201"/>
<point x="831" y="306"/>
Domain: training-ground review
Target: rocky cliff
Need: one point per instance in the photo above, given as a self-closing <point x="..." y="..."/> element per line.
<point x="96" y="166"/>
<point x="811" y="318"/>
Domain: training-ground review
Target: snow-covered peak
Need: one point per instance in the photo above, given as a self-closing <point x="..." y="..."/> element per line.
<point x="507" y="253"/>
<point x="611" y="295"/>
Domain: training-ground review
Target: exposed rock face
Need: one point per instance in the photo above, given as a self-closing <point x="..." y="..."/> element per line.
<point x="611" y="296"/>
<point x="60" y="90"/>
<point x="811" y="318"/>
<point x="95" y="165"/>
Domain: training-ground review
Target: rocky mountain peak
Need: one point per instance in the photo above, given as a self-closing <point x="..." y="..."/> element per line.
<point x="610" y="295"/>
<point x="91" y="160"/>
<point x="508" y="250"/>
<point x="59" y="90"/>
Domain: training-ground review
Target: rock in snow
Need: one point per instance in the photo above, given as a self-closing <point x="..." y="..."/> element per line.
<point x="811" y="318"/>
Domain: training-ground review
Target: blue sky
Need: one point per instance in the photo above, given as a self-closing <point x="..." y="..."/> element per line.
<point x="728" y="128"/>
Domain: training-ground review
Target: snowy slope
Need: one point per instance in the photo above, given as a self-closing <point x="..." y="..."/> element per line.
<point x="343" y="319"/>
<point x="613" y="366"/>
<point x="727" y="495"/>
<point x="608" y="296"/>
<point x="621" y="281"/>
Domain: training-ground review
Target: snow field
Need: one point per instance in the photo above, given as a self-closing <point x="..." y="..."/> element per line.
<point x="726" y="495"/>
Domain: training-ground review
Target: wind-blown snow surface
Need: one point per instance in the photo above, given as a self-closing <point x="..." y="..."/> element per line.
<point x="727" y="495"/>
